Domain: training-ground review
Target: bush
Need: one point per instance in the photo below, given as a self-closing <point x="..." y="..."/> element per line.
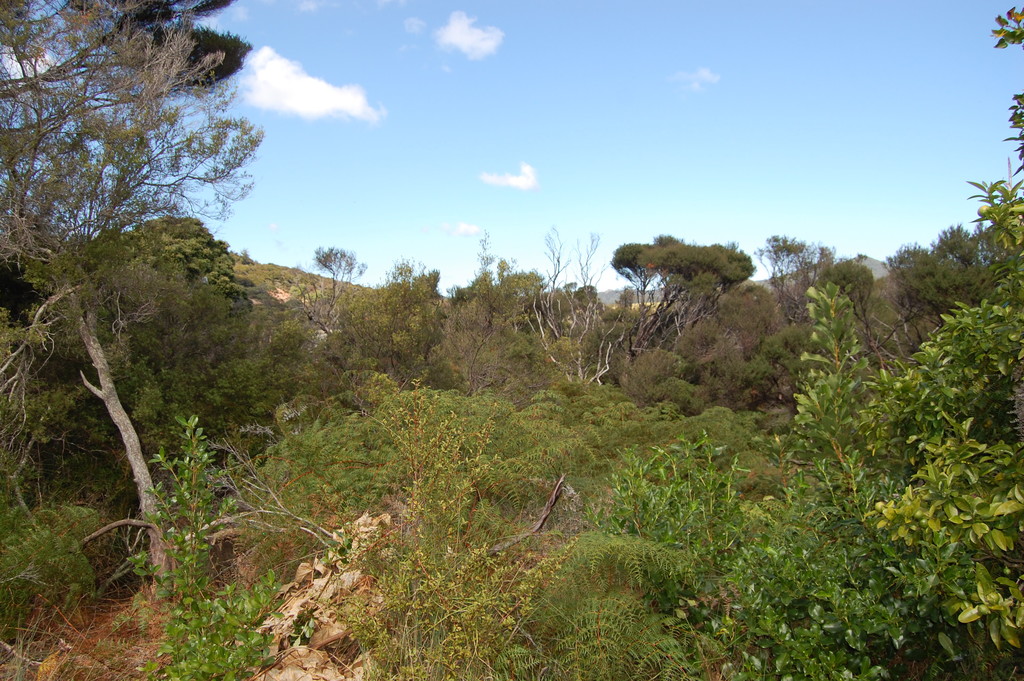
<point x="41" y="557"/>
<point x="211" y="633"/>
<point x="446" y="605"/>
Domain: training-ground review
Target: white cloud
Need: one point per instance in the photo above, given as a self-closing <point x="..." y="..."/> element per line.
<point x="525" y="180"/>
<point x="414" y="25"/>
<point x="384" y="3"/>
<point x="310" y="5"/>
<point x="460" y="229"/>
<point x="272" y="82"/>
<point x="273" y="227"/>
<point x="460" y="34"/>
<point x="696" y="81"/>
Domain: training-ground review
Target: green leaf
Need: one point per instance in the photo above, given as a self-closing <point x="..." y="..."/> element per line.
<point x="946" y="643"/>
<point x="1008" y="507"/>
<point x="994" y="631"/>
<point x="1009" y="633"/>
<point x="1001" y="540"/>
<point x="969" y="615"/>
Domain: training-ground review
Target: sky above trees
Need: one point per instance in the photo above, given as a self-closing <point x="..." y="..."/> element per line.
<point x="412" y="128"/>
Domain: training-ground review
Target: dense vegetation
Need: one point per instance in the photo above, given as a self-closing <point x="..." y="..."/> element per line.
<point x="814" y="477"/>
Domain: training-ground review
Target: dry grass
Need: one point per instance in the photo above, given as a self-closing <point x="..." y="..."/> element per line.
<point x="108" y="641"/>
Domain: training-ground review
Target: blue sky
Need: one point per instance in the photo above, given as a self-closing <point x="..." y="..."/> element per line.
<point x="408" y="129"/>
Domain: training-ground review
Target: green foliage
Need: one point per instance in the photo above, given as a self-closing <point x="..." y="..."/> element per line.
<point x="594" y="623"/>
<point x="800" y="587"/>
<point x="486" y="337"/>
<point x="341" y="463"/>
<point x="954" y="417"/>
<point x="211" y="632"/>
<point x="676" y="284"/>
<point x="677" y="496"/>
<point x="449" y="607"/>
<point x="42" y="561"/>
<point x="854" y="279"/>
<point x="654" y="377"/>
<point x="793" y="267"/>
<point x="828" y="405"/>
<point x="670" y="262"/>
<point x="926" y="283"/>
<point x="740" y="435"/>
<point x="818" y="596"/>
<point x="187" y="246"/>
<point x="604" y="422"/>
<point x="744" y="356"/>
<point x="393" y="329"/>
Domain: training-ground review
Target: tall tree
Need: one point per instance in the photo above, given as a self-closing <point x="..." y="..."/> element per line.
<point x="927" y="283"/>
<point x="104" y="127"/>
<point x="569" y="316"/>
<point x="322" y="295"/>
<point x="485" y="331"/>
<point x="793" y="267"/>
<point x="676" y="284"/>
<point x="161" y="18"/>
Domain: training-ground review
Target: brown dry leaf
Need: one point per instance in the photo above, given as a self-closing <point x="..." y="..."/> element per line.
<point x="316" y="593"/>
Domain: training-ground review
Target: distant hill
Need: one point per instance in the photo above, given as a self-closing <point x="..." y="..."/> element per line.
<point x="877" y="267"/>
<point x="265" y="283"/>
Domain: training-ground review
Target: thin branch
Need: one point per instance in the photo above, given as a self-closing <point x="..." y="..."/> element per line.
<point x="11" y="650"/>
<point x="127" y="522"/>
<point x="556" y="494"/>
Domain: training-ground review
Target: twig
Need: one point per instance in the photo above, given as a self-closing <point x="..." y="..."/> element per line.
<point x="556" y="494"/>
<point x="11" y="650"/>
<point x="131" y="522"/>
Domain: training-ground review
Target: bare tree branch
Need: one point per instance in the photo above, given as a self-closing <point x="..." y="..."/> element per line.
<point x="553" y="498"/>
<point x="127" y="522"/>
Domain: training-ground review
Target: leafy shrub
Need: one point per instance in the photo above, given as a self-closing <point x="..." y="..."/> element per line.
<point x="676" y="495"/>
<point x="41" y="557"/>
<point x="818" y="595"/>
<point x="449" y="605"/>
<point x="955" y="417"/>
<point x="211" y="632"/>
<point x="654" y="377"/>
<point x="740" y="436"/>
<point x="605" y="421"/>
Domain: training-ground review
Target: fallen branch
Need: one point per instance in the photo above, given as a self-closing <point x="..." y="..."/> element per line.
<point x="556" y="494"/>
<point x="130" y="522"/>
<point x="13" y="652"/>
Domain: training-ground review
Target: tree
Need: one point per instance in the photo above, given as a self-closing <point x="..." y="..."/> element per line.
<point x="568" y="315"/>
<point x="486" y="333"/>
<point x="676" y="284"/>
<point x="954" y="416"/>
<point x="158" y="17"/>
<point x="927" y="283"/>
<point x="104" y="128"/>
<point x="394" y="328"/>
<point x="793" y="267"/>
<point x="322" y="296"/>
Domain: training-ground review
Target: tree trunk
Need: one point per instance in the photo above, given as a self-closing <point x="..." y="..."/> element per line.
<point x="107" y="392"/>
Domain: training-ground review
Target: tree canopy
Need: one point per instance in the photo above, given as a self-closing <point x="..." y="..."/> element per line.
<point x="107" y="123"/>
<point x="675" y="283"/>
